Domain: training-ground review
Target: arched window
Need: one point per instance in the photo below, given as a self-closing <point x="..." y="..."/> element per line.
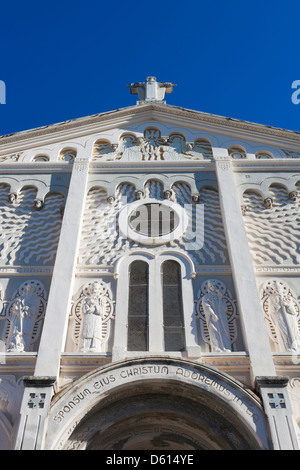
<point x="138" y="336"/>
<point x="172" y="307"/>
<point x="155" y="307"/>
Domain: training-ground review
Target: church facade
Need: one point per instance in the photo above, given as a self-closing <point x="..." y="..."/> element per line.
<point x="149" y="275"/>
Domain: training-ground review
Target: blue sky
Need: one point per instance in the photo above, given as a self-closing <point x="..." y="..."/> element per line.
<point x="62" y="60"/>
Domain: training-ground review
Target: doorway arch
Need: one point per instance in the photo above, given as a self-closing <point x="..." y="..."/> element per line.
<point x="157" y="404"/>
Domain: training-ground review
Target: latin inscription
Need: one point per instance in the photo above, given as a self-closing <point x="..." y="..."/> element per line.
<point x="104" y="382"/>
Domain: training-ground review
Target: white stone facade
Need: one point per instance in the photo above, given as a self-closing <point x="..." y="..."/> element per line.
<point x="150" y="256"/>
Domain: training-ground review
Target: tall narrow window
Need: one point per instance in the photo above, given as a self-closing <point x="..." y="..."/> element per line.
<point x="138" y="307"/>
<point x="172" y="307"/>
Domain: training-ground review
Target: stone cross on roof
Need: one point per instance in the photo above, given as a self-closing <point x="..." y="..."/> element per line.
<point x="151" y="90"/>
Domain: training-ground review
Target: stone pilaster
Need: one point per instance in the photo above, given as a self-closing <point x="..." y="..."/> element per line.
<point x="254" y="331"/>
<point x="35" y="405"/>
<point x="274" y="394"/>
<point x="58" y="306"/>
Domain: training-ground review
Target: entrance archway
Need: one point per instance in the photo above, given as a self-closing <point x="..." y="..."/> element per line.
<point x="157" y="404"/>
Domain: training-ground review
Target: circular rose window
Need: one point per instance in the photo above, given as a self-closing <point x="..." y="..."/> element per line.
<point x="149" y="221"/>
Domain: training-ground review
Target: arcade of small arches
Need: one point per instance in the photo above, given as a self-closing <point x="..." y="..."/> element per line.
<point x="201" y="148"/>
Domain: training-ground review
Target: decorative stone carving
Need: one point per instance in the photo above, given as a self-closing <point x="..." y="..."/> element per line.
<point x="217" y="313"/>
<point x="139" y="194"/>
<point x="93" y="311"/>
<point x="28" y="236"/>
<point x="12" y="198"/>
<point x="268" y="202"/>
<point x="293" y="196"/>
<point x="110" y="199"/>
<point x="40" y="158"/>
<point x="195" y="198"/>
<point x="1" y="299"/>
<point x="168" y="194"/>
<point x="151" y="90"/>
<point x="11" y="391"/>
<point x="291" y="154"/>
<point x="101" y="243"/>
<point x="236" y="153"/>
<point x="273" y="234"/>
<point x="152" y="146"/>
<point x="67" y="155"/>
<point x="10" y="158"/>
<point x="38" y="204"/>
<point x="263" y="155"/>
<point x="282" y="315"/>
<point x="294" y="393"/>
<point x="24" y="314"/>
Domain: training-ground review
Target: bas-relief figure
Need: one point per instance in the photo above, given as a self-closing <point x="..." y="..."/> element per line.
<point x="24" y="314"/>
<point x="282" y="311"/>
<point x="215" y="307"/>
<point x="92" y="313"/>
<point x="93" y="308"/>
<point x="152" y="146"/>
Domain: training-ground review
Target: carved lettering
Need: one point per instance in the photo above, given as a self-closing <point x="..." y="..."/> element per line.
<point x="129" y="374"/>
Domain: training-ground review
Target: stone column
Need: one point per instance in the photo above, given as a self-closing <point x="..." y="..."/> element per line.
<point x="274" y="393"/>
<point x="252" y="319"/>
<point x="39" y="388"/>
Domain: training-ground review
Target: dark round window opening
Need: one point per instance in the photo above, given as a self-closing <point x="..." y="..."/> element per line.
<point x="153" y="220"/>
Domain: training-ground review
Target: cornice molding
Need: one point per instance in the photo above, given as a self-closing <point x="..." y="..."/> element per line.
<point x="167" y="113"/>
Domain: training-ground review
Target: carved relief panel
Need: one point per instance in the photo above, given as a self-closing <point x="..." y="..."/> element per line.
<point x="272" y="225"/>
<point x="30" y="227"/>
<point x="101" y="240"/>
<point x="217" y="312"/>
<point x="152" y="146"/>
<point x="91" y="316"/>
<point x="282" y="316"/>
<point x="23" y="316"/>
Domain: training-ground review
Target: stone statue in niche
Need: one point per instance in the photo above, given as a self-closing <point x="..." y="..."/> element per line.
<point x="24" y="314"/>
<point x="92" y="311"/>
<point x="92" y="316"/>
<point x="217" y="312"/>
<point x="282" y="313"/>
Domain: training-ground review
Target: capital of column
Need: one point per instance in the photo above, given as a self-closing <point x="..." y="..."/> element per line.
<point x="34" y="381"/>
<point x="271" y="381"/>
